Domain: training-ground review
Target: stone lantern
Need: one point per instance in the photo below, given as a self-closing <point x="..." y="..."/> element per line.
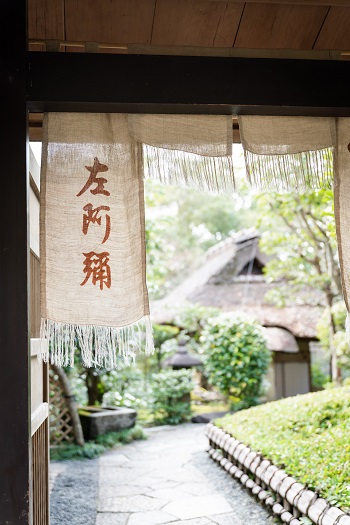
<point x="181" y="358"/>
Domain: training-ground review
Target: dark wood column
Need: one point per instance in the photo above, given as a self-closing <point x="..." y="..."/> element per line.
<point x="14" y="344"/>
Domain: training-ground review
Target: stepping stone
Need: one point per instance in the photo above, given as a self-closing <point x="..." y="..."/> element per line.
<point x="150" y="518"/>
<point x="198" y="506"/>
<point x="227" y="519"/>
<point x="109" y="518"/>
<point x="138" y="503"/>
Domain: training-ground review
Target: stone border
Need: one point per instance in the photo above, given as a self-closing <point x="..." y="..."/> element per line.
<point x="287" y="498"/>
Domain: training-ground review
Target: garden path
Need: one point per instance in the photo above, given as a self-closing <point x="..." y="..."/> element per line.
<point x="167" y="479"/>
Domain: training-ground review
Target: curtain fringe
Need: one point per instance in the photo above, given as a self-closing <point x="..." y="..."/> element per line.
<point x="212" y="174"/>
<point x="290" y="172"/>
<point x="101" y="346"/>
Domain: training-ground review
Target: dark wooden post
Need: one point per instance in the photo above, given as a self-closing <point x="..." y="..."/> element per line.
<point x="14" y="257"/>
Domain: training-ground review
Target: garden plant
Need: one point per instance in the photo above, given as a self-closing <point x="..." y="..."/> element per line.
<point x="306" y="435"/>
<point x="236" y="358"/>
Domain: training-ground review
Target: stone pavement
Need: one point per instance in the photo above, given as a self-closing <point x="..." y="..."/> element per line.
<point x="170" y="479"/>
<point x="167" y="479"/>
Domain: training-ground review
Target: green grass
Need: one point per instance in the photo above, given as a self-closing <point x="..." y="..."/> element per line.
<point x="93" y="449"/>
<point x="308" y="436"/>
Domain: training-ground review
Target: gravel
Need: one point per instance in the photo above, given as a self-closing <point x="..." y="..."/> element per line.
<point x="73" y="498"/>
<point x="246" y="507"/>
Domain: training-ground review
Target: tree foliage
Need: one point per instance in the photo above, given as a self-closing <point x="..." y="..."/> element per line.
<point x="299" y="231"/>
<point x="171" y="396"/>
<point x="236" y="358"/>
<point x="340" y="339"/>
<point x="300" y="235"/>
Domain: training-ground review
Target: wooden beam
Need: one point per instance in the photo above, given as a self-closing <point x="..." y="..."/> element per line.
<point x="176" y="84"/>
<point x="15" y="477"/>
<point x="344" y="3"/>
<point x="310" y="54"/>
<point x="151" y="49"/>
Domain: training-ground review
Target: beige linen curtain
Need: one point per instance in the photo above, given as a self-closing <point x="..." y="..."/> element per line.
<point x="296" y="153"/>
<point x="93" y="254"/>
<point x="187" y="150"/>
<point x="286" y="153"/>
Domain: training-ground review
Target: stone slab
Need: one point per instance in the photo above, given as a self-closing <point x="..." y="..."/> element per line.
<point x="109" y="518"/>
<point x="138" y="503"/>
<point x="226" y="519"/>
<point x="198" y="506"/>
<point x="150" y="518"/>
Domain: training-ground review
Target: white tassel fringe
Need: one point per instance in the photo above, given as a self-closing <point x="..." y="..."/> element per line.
<point x="212" y="174"/>
<point x="101" y="346"/>
<point x="290" y="172"/>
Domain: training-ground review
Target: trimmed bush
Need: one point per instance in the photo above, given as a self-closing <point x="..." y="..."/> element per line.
<point x="171" y="396"/>
<point x="306" y="435"/>
<point x="236" y="358"/>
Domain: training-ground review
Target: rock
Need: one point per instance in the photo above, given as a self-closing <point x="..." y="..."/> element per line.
<point x="206" y="418"/>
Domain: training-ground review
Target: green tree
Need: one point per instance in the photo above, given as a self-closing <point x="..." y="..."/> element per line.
<point x="300" y="232"/>
<point x="340" y="340"/>
<point x="236" y="358"/>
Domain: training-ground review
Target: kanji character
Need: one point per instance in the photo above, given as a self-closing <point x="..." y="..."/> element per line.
<point x="92" y="216"/>
<point x="97" y="267"/>
<point x="93" y="179"/>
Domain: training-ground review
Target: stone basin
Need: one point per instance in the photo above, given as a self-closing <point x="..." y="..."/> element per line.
<point x="97" y="421"/>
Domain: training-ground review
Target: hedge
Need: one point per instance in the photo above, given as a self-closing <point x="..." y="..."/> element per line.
<point x="307" y="435"/>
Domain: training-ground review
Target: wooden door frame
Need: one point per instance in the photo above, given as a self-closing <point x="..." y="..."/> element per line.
<point x="113" y="83"/>
<point x="15" y="446"/>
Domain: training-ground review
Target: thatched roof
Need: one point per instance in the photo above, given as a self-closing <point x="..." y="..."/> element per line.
<point x="231" y="279"/>
<point x="280" y="340"/>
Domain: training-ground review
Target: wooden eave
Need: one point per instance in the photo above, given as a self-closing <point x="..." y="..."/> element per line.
<point x="281" y="29"/>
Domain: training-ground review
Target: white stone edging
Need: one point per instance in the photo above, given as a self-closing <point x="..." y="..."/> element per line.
<point x="292" y="499"/>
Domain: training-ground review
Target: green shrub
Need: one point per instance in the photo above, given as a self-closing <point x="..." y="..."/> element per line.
<point x="93" y="449"/>
<point x="193" y="317"/>
<point x="90" y="450"/>
<point x="111" y="439"/>
<point x="340" y="340"/>
<point x="171" y="396"/>
<point x="306" y="435"/>
<point x="125" y="386"/>
<point x="163" y="332"/>
<point x="318" y="377"/>
<point x="236" y="358"/>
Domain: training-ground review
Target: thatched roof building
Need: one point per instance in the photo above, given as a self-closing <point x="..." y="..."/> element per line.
<point x="231" y="278"/>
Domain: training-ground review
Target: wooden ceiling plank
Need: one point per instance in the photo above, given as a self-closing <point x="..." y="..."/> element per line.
<point x="335" y="33"/>
<point x="120" y="21"/>
<point x="195" y="22"/>
<point x="46" y="19"/>
<point x="344" y="3"/>
<point x="228" y="24"/>
<point x="280" y="26"/>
